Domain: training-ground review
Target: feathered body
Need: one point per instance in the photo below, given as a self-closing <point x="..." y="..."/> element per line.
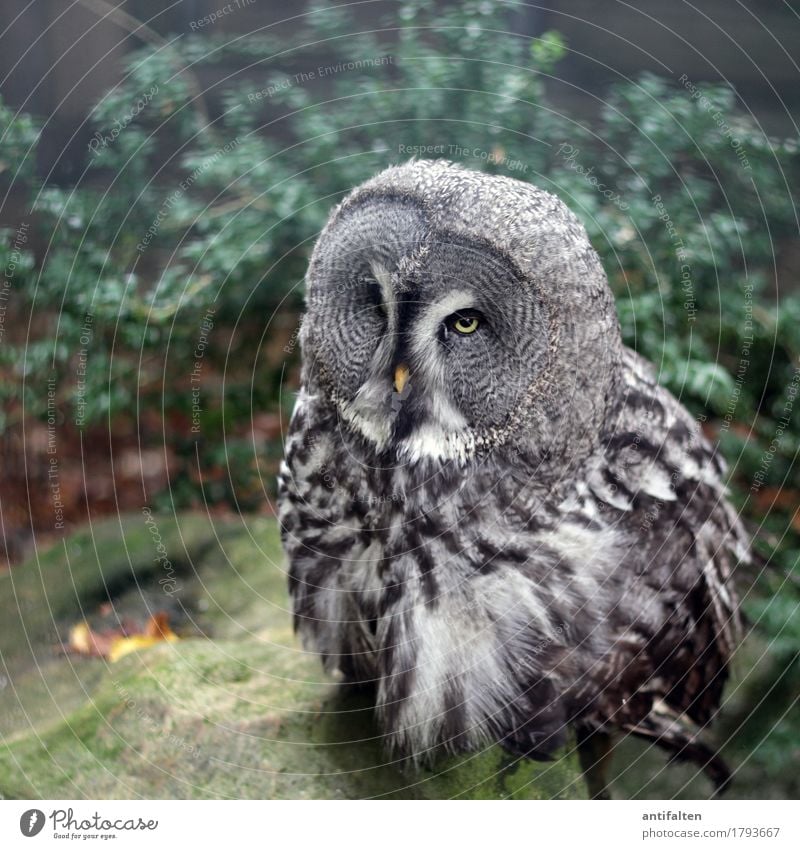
<point x="531" y="533"/>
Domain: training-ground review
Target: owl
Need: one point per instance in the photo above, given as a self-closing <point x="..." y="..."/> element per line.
<point x="494" y="516"/>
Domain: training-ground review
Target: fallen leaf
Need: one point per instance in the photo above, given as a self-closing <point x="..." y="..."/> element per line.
<point x="83" y="640"/>
<point x="158" y="626"/>
<point x="115" y="643"/>
<point x="125" y="645"/>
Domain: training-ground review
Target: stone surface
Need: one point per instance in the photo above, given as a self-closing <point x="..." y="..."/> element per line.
<point x="235" y="709"/>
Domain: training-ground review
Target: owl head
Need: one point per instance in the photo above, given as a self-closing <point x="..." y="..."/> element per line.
<point x="451" y="313"/>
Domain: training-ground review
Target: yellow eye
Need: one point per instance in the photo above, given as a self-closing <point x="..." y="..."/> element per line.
<point x="466" y="324"/>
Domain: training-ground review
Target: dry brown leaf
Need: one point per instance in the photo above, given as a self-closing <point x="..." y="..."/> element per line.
<point x="115" y="643"/>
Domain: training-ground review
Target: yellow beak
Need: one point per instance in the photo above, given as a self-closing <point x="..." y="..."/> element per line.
<point x="400" y="377"/>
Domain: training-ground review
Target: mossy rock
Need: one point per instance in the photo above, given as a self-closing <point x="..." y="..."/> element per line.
<point x="236" y="709"/>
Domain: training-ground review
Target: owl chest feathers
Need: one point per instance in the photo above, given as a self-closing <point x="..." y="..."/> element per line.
<point x="438" y="538"/>
<point x="458" y="594"/>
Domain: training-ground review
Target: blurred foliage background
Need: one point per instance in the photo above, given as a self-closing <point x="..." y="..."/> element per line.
<point x="150" y="334"/>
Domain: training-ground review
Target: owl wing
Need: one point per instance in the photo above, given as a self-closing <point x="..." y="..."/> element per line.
<point x="677" y="621"/>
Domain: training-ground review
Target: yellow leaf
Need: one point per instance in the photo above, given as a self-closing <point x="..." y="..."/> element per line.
<point x="80" y="638"/>
<point x="125" y="645"/>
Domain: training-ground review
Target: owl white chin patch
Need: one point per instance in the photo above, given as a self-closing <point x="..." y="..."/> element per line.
<point x="442" y="435"/>
<point x="445" y="435"/>
<point x="425" y="442"/>
<point x="431" y="442"/>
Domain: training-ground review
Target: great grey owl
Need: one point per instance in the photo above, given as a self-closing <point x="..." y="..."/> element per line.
<point x="493" y="513"/>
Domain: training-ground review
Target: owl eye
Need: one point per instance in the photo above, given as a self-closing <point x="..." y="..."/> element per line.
<point x="465" y="322"/>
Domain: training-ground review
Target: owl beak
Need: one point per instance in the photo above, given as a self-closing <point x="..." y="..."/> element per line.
<point x="400" y="377"/>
